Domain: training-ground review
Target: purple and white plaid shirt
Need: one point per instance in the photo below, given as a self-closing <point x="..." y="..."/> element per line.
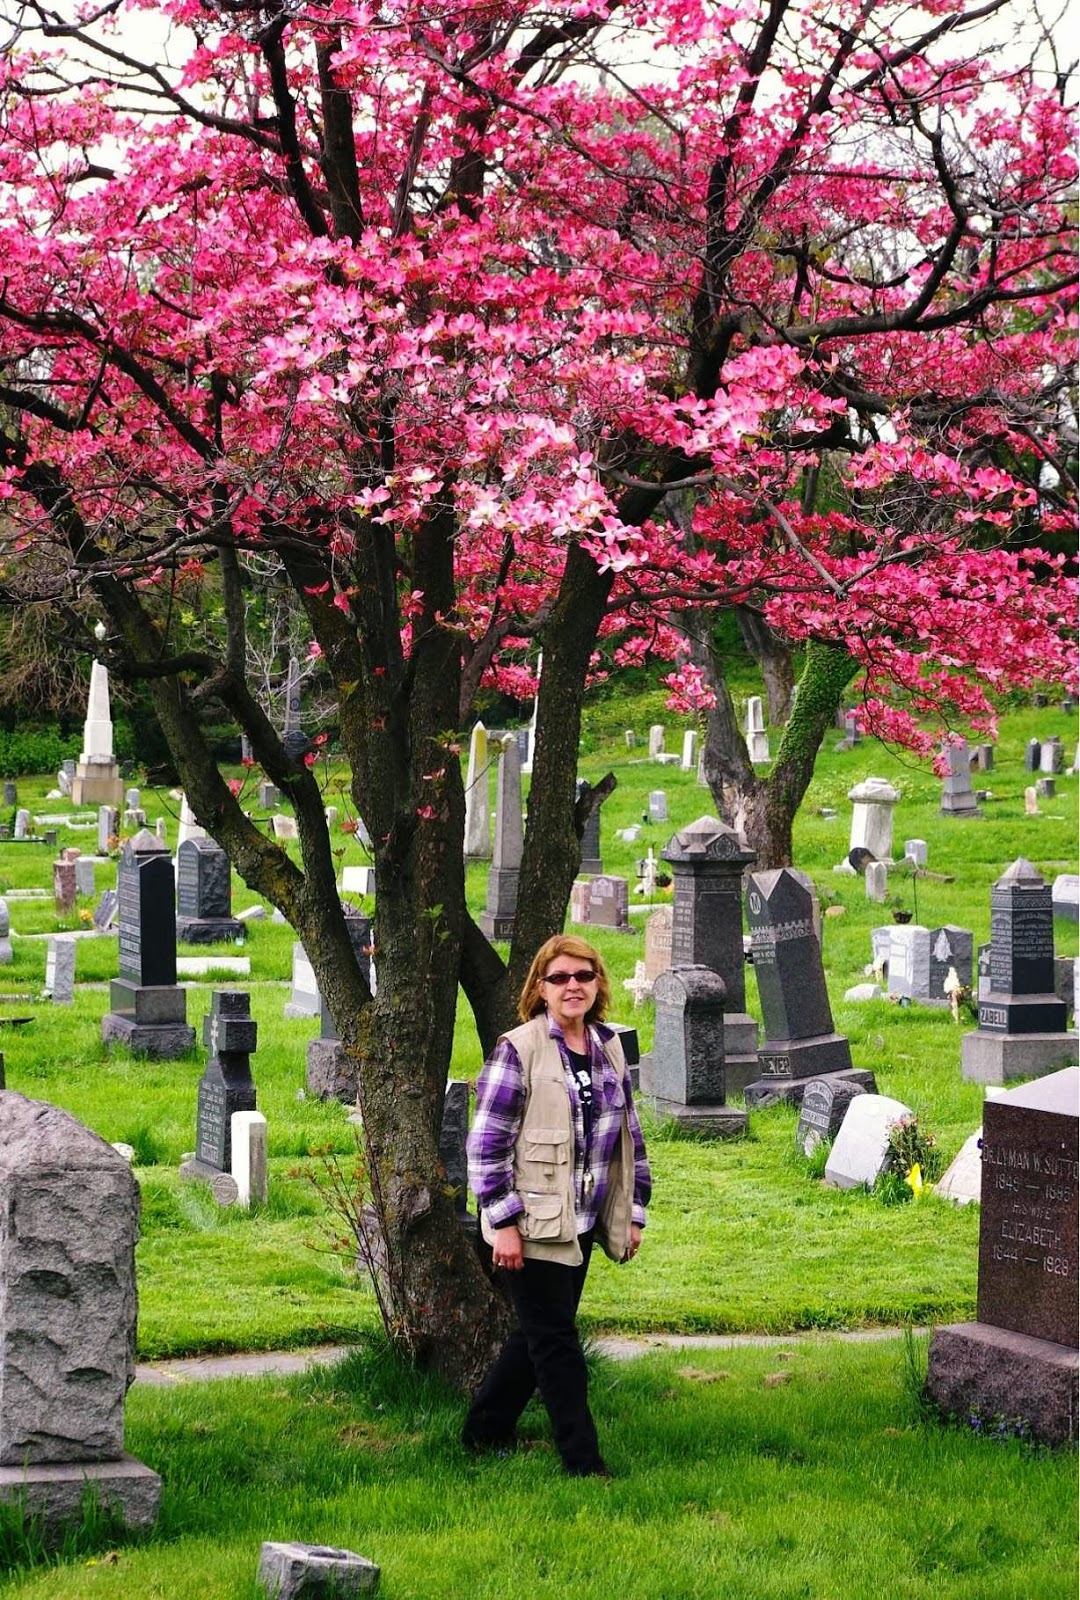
<point x="500" y="1107"/>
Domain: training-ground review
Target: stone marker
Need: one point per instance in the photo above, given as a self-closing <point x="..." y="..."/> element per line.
<point x="11" y="794"/>
<point x="590" y="834"/>
<point x="226" y="1086"/>
<point x="707" y="861"/>
<point x="187" y="828"/>
<point x="580" y="894"/>
<point x="204" y="894"/>
<point x="497" y="919"/>
<point x="60" y="970"/>
<point x="800" y="1040"/>
<point x="915" y="850"/>
<point x="860" y="1151"/>
<point x="656" y="740"/>
<point x="1032" y="755"/>
<point x="65" y="892"/>
<point x="69" y="1222"/>
<point x="22" y="824"/>
<point x="609" y="903"/>
<point x="1052" y="756"/>
<point x="876" y="879"/>
<point x="105" y="911"/>
<point x="920" y="959"/>
<point x="332" y="1070"/>
<point x="63" y="784"/>
<point x="873" y="802"/>
<point x="629" y="738"/>
<point x="305" y="1000"/>
<point x="1031" y="802"/>
<point x="96" y="779"/>
<point x="658" y="942"/>
<point x="358" y="880"/>
<point x="452" y="1137"/>
<point x="1045" y="789"/>
<point x="757" y="740"/>
<point x="291" y="719"/>
<point x="1019" y="1360"/>
<point x="1021" y="1031"/>
<point x="1065" y="896"/>
<point x="284" y="827"/>
<point x="5" y="934"/>
<point x="684" y="1075"/>
<point x="689" y="750"/>
<point x="148" y="1012"/>
<point x="477" y="809"/>
<point x="269" y="795"/>
<point x="957" y="798"/>
<point x="314" y="1572"/>
<point x="84" y="876"/>
<point x="108" y="825"/>
<point x="824" y="1105"/>
<point x="962" y="1180"/>
<point x="249" y="1150"/>
<point x="657" y="805"/>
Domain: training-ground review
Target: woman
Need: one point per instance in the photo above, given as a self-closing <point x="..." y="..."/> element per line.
<point x="556" y="1161"/>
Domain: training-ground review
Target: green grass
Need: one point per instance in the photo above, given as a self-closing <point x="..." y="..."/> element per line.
<point x="779" y="1473"/>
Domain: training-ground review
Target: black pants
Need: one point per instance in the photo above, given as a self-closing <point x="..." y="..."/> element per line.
<point x="542" y="1353"/>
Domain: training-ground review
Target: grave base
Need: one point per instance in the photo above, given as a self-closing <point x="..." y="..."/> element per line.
<point x="55" y="1491"/>
<point x="332" y="1071"/>
<point x="165" y="1041"/>
<point x="712" y="1122"/>
<point x="1005" y="1057"/>
<point x="768" y="1091"/>
<point x="97" y="786"/>
<point x="975" y="1367"/>
<point x="958" y="806"/>
<point x="209" y="930"/>
<point x="496" y="926"/>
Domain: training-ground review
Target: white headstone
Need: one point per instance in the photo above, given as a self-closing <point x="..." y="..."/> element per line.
<point x="284" y="827"/>
<point x="249" y="1144"/>
<point x="962" y="1181"/>
<point x="877" y="882"/>
<point x="657" y="806"/>
<point x="477" y="807"/>
<point x="915" y="850"/>
<point x="689" y="750"/>
<point x="60" y="969"/>
<point x="63" y="783"/>
<point x="189" y="828"/>
<point x="860" y="1150"/>
<point x="358" y="880"/>
<point x="656" y="740"/>
<point x="98" y="730"/>
<point x="1031" y="802"/>
<point x="872" y="818"/>
<point x="530" y="743"/>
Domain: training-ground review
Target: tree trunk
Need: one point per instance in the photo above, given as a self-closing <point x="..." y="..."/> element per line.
<point x="773" y="658"/>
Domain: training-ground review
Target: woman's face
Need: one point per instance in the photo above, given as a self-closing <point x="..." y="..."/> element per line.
<point x="569" y="1001"/>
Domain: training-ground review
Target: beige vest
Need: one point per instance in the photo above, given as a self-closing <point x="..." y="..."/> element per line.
<point x="544" y="1157"/>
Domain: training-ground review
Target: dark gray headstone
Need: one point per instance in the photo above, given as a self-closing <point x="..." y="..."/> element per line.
<point x="144" y="884"/>
<point x="1032" y="755"/>
<point x="229" y="1033"/>
<point x="291" y="722"/>
<point x="1021" y="998"/>
<point x="269" y="795"/>
<point x="105" y="911"/>
<point x="204" y="894"/>
<point x="590" y="837"/>
<point x="824" y="1102"/>
<point x="684" y="1075"/>
<point x="11" y="794"/>
<point x="452" y="1137"/>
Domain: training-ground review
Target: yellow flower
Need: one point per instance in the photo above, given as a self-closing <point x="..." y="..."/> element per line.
<point x="914" y="1180"/>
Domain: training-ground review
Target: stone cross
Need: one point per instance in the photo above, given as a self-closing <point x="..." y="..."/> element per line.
<point x="229" y="1034"/>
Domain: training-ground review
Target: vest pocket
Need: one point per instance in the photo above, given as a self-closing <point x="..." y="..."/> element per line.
<point x="543" y="1218"/>
<point x="543" y="1151"/>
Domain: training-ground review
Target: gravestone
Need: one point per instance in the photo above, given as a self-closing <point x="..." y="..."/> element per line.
<point x="291" y="721"/>
<point x="358" y="880"/>
<point x="957" y="798"/>
<point x="247" y="756"/>
<point x="452" y="1136"/>
<point x="305" y="1000"/>
<point x="684" y="1075"/>
<point x="248" y="1136"/>
<point x="590" y="834"/>
<point x="982" y="758"/>
<point x="5" y="934"/>
<point x="284" y="827"/>
<point x="1031" y="801"/>
<point x="204" y="894"/>
<point x="11" y="794"/>
<point x="920" y="960"/>
<point x="65" y="891"/>
<point x="658" y="941"/>
<point x="961" y="1181"/>
<point x="757" y="740"/>
<point x="580" y="894"/>
<point x="69" y="1222"/>
<point x="148" y="1012"/>
<point x="60" y="970"/>
<point x="629" y="738"/>
<point x="609" y="903"/>
<point x="824" y="1105"/>
<point x="800" y="1042"/>
<point x="63" y="783"/>
<point x="1052" y="756"/>
<point x="294" y="1571"/>
<point x="331" y="1068"/>
<point x="873" y="802"/>
<point x="269" y="795"/>
<point x="497" y="918"/>
<point x="226" y="1086"/>
<point x="108" y="825"/>
<point x="1019" y="1359"/>
<point x="1021" y="1031"/>
<point x="1045" y="789"/>
<point x="105" y="911"/>
<point x="22" y="824"/>
<point x="860" y="1152"/>
<point x="657" y="805"/>
<point x="876" y="880"/>
<point x="1065" y="896"/>
<point x="1032" y="755"/>
<point x="707" y="861"/>
<point x="477" y="809"/>
<point x="656" y="740"/>
<point x="85" y="876"/>
<point x="689" y="750"/>
<point x="96" y="779"/>
<point x="915" y="850"/>
<point x="187" y="828"/>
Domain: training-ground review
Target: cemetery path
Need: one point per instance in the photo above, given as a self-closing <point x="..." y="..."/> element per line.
<point x="619" y="1347"/>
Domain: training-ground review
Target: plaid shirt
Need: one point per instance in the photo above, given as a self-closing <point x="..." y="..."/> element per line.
<point x="500" y="1107"/>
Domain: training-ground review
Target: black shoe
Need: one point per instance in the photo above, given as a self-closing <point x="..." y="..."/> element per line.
<point x="600" y="1470"/>
<point x="476" y="1446"/>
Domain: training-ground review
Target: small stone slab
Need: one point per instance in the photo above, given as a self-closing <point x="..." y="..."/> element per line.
<point x="314" y="1572"/>
<point x="824" y="1106"/>
<point x="962" y="1182"/>
<point x="861" y="1149"/>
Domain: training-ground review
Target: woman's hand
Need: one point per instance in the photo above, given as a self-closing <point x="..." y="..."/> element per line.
<point x="507" y="1250"/>
<point x="635" y="1242"/>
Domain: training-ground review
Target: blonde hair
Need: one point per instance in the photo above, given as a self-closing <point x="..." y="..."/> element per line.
<point x="531" y="1000"/>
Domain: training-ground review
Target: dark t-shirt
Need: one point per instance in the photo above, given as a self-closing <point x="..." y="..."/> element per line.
<point x="582" y="1069"/>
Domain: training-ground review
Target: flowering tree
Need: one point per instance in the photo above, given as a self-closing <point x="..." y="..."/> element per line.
<point x="487" y="324"/>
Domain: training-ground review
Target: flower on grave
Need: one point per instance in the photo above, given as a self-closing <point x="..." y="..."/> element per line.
<point x="86" y="917"/>
<point x="914" y="1181"/>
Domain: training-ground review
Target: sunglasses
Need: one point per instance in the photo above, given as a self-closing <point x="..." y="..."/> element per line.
<point x="559" y="978"/>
